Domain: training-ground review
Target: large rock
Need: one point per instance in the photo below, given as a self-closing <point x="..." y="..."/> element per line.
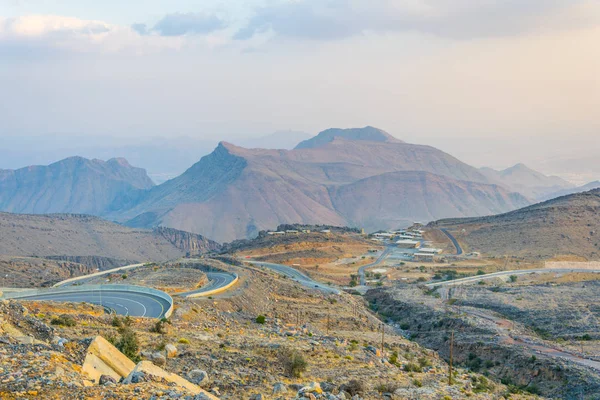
<point x="171" y="351"/>
<point x="158" y="359"/>
<point x="149" y="369"/>
<point x="103" y="358"/>
<point x="198" y="377"/>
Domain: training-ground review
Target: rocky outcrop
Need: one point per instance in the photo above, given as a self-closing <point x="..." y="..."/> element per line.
<point x="93" y="262"/>
<point x="190" y="243"/>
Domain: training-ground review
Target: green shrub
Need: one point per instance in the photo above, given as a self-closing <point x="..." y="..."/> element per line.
<point x="293" y="362"/>
<point x="260" y="319"/>
<point x="417" y="383"/>
<point x="183" y="341"/>
<point x="64" y="320"/>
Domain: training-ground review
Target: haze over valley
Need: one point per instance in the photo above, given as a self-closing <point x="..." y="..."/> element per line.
<point x="299" y="200"/>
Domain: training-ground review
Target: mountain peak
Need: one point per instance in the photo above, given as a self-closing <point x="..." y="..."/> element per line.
<point x="368" y="133"/>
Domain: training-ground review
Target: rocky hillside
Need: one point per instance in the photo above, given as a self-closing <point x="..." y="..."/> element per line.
<point x="30" y="272"/>
<point x="73" y="185"/>
<point x="568" y="225"/>
<point x="234" y="192"/>
<point x="88" y="237"/>
<point x="526" y="181"/>
<point x="579" y="189"/>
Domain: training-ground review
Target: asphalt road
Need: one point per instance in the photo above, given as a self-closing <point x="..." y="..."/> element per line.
<point x="478" y="278"/>
<point x="120" y="301"/>
<point x="216" y="280"/>
<point x="382" y="257"/>
<point x="296" y="275"/>
<point x="459" y="249"/>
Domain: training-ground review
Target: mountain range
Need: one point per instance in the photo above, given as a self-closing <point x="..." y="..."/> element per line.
<point x="361" y="177"/>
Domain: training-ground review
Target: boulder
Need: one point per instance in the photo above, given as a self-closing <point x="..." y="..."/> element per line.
<point x="149" y="369"/>
<point x="103" y="358"/>
<point x="279" y="388"/>
<point x="107" y="380"/>
<point x="171" y="351"/>
<point x="314" y="387"/>
<point x="158" y="359"/>
<point x="198" y="377"/>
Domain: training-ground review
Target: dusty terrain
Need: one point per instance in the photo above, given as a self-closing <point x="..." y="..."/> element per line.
<point x="327" y="257"/>
<point x="168" y="278"/>
<point x="336" y="335"/>
<point x="537" y="333"/>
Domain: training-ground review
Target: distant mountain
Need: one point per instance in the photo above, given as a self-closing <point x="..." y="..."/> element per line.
<point x="526" y="181"/>
<point x="73" y="185"/>
<point x="235" y="192"/>
<point x="373" y="203"/>
<point x="368" y="133"/>
<point x="568" y="225"/>
<point x="579" y="189"/>
<point x="285" y="140"/>
<point x="91" y="240"/>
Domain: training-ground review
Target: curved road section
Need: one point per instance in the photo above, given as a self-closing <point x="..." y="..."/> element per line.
<point x="296" y="276"/>
<point x="382" y="257"/>
<point x="473" y="279"/>
<point x="459" y="249"/>
<point x="136" y="302"/>
<point x="216" y="281"/>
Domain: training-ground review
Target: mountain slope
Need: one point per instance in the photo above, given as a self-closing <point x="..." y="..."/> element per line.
<point x="235" y="192"/>
<point x="368" y="133"/>
<point x="399" y="198"/>
<point x="85" y="236"/>
<point x="568" y="225"/>
<point x="74" y="185"/>
<point x="566" y="192"/>
<point x="522" y="179"/>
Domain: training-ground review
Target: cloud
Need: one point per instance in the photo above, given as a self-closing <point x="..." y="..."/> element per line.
<point x="337" y="19"/>
<point x="179" y="24"/>
<point x="46" y="35"/>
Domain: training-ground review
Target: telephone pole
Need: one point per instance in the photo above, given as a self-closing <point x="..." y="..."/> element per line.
<point x="451" y="358"/>
<point x="382" y="339"/>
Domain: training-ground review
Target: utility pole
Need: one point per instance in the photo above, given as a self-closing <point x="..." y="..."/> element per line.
<point x="382" y="339"/>
<point x="451" y="358"/>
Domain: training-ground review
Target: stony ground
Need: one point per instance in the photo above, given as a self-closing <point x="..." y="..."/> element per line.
<point x="337" y="337"/>
<point x="166" y="277"/>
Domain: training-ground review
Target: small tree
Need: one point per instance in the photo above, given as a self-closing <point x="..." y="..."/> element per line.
<point x="260" y="319"/>
<point x="293" y="362"/>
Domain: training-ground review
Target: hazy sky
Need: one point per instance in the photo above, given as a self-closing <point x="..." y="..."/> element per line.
<point x="492" y="81"/>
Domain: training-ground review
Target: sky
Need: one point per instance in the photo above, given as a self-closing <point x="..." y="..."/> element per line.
<point x="493" y="82"/>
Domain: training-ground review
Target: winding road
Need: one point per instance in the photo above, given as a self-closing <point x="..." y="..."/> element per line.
<point x="122" y="299"/>
<point x="216" y="281"/>
<point x="459" y="249"/>
<point x="501" y="274"/>
<point x="296" y="275"/>
<point x="122" y="302"/>
<point x="382" y="257"/>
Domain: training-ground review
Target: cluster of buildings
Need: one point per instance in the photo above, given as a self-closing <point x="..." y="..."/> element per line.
<point x="412" y="241"/>
<point x="294" y="232"/>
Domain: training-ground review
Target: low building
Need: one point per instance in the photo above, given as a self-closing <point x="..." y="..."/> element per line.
<point x="408" y="244"/>
<point x="424" y="257"/>
<point x="276" y="233"/>
<point x="430" y="250"/>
